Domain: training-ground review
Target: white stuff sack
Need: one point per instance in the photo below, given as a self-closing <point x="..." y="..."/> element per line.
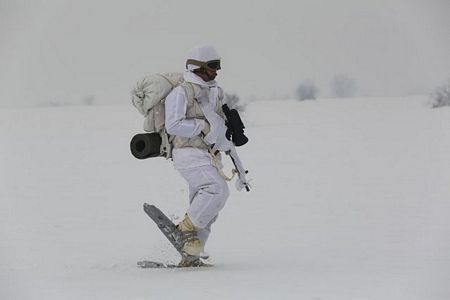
<point x="149" y="95"/>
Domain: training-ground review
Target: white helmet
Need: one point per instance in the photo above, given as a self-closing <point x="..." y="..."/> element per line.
<point x="203" y="56"/>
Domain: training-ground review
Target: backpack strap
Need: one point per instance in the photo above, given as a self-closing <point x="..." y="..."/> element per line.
<point x="189" y="90"/>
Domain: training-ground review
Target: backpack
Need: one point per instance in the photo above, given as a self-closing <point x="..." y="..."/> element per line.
<point x="149" y="97"/>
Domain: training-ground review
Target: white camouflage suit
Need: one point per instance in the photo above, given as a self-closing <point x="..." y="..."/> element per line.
<point x="208" y="191"/>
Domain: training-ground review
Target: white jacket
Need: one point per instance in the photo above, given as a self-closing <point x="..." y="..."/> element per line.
<point x="207" y="94"/>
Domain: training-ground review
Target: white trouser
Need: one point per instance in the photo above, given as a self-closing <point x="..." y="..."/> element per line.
<point x="208" y="192"/>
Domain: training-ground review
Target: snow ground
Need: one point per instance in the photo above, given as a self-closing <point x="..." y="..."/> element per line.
<point x="350" y="200"/>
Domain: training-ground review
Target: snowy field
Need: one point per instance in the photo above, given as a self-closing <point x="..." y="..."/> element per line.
<point x="350" y="200"/>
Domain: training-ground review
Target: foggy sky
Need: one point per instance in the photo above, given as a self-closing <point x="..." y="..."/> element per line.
<point x="65" y="51"/>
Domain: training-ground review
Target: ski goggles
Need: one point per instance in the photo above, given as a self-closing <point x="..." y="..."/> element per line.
<point x="212" y="64"/>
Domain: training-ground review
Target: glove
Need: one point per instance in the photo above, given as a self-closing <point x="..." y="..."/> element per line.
<point x="222" y="144"/>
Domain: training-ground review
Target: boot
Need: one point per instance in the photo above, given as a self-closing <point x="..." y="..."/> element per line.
<point x="192" y="245"/>
<point x="190" y="261"/>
